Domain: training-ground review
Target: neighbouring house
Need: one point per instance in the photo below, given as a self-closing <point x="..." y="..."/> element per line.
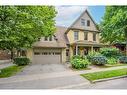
<point x="5" y="55"/>
<point x="78" y="39"/>
<point x="121" y="47"/>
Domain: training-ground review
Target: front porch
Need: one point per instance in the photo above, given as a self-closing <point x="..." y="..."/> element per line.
<point x="84" y="47"/>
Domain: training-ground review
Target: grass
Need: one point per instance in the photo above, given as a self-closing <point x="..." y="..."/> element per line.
<point x="105" y="74"/>
<point x="10" y="71"/>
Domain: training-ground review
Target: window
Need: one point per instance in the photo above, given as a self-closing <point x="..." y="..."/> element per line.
<point x="50" y="38"/>
<point x="88" y="22"/>
<point x="36" y="53"/>
<point x="94" y="36"/>
<point x="83" y="22"/>
<point x="85" y="36"/>
<point x="75" y="35"/>
<point x="46" y="38"/>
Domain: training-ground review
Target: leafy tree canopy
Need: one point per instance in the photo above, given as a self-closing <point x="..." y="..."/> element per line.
<point x="21" y="26"/>
<point x="114" y="24"/>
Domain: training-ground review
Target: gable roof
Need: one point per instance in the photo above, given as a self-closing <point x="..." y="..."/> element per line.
<point x="59" y="43"/>
<point x="86" y="11"/>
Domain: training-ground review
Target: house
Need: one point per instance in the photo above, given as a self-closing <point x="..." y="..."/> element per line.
<point x="5" y="55"/>
<point x="78" y="39"/>
<point x="121" y="46"/>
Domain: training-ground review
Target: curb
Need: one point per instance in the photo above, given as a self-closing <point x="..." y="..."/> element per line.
<point x="107" y="79"/>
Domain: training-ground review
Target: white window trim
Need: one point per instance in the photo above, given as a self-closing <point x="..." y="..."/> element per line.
<point x="77" y="35"/>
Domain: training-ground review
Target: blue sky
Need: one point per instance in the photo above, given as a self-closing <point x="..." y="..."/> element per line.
<point x="68" y="14"/>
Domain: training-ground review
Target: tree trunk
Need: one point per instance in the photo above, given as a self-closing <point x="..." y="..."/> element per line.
<point x="12" y="54"/>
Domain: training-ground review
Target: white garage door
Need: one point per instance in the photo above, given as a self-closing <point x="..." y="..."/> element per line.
<point x="47" y="56"/>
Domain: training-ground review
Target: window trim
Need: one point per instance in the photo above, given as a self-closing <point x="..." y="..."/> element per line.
<point x="85" y="35"/>
<point x="45" y="38"/>
<point x="76" y="36"/>
<point x="94" y="36"/>
<point x="88" y="24"/>
<point x="83" y="22"/>
<point x="50" y="38"/>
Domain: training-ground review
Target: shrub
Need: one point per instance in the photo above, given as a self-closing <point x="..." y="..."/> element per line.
<point x="92" y="54"/>
<point x="123" y="59"/>
<point x="20" y="61"/>
<point x="112" y="61"/>
<point x="99" y="60"/>
<point x="76" y="56"/>
<point x="79" y="63"/>
<point x="110" y="52"/>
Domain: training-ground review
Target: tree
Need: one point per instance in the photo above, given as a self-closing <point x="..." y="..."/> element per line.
<point x="114" y="25"/>
<point x="21" y="26"/>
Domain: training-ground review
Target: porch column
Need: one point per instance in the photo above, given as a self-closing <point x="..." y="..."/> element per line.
<point x="76" y="49"/>
<point x="92" y="49"/>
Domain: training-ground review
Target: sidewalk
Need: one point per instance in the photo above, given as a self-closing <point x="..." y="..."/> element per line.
<point x="5" y="63"/>
<point x="99" y="69"/>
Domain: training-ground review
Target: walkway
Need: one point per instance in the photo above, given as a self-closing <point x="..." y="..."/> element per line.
<point x="99" y="69"/>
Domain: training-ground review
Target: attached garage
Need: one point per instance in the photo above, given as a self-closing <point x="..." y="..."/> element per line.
<point x="47" y="55"/>
<point x="50" y="49"/>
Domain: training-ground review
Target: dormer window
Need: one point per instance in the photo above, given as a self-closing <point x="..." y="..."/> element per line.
<point x="83" y="22"/>
<point x="46" y="38"/>
<point x="88" y="22"/>
<point x="50" y="38"/>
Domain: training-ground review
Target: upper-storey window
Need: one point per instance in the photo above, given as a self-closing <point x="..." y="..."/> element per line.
<point x="85" y="36"/>
<point x="75" y="35"/>
<point x="88" y="22"/>
<point x="94" y="36"/>
<point x="46" y="38"/>
<point x="83" y="22"/>
<point x="50" y="38"/>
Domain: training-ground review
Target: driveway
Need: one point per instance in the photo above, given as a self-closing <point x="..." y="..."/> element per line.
<point x="43" y="76"/>
<point x="44" y="68"/>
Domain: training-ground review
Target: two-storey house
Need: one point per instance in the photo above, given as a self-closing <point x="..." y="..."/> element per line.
<point x="78" y="39"/>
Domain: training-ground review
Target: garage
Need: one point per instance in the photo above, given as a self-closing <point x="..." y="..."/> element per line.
<point x="47" y="56"/>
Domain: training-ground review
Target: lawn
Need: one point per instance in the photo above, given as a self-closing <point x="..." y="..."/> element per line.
<point x="9" y="71"/>
<point x="105" y="74"/>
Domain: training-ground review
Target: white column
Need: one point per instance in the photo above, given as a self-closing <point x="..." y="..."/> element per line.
<point x="92" y="49"/>
<point x="76" y="50"/>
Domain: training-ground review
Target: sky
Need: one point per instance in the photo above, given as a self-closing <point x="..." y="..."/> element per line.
<point x="66" y="15"/>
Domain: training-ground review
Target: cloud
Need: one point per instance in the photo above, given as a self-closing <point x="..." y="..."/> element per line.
<point x="68" y="14"/>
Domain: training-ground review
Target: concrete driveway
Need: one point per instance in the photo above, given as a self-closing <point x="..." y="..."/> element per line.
<point x="43" y="76"/>
<point x="44" y="68"/>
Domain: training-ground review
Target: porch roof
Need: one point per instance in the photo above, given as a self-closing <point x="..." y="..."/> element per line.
<point x="88" y="43"/>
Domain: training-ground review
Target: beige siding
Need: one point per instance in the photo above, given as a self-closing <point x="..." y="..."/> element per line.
<point x="78" y="24"/>
<point x="63" y="56"/>
<point x="71" y="52"/>
<point x="70" y="36"/>
<point x="30" y="54"/>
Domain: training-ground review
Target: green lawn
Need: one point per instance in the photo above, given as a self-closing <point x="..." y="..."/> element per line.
<point x="9" y="71"/>
<point x="105" y="74"/>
